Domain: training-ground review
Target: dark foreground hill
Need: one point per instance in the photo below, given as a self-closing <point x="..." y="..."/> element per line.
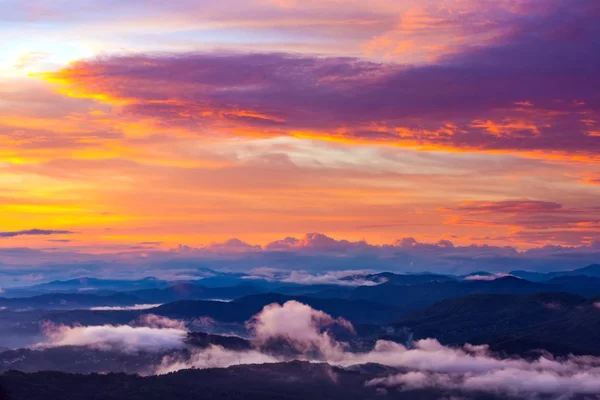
<point x="78" y="359"/>
<point x="289" y="381"/>
<point x="415" y="296"/>
<point x="557" y="322"/>
<point x="358" y="311"/>
<point x="238" y="311"/>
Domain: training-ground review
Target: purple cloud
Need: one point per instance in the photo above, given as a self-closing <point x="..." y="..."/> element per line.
<point x="531" y="89"/>
<point x="34" y="232"/>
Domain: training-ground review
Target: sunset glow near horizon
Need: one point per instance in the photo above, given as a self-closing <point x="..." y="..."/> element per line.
<point x="129" y="127"/>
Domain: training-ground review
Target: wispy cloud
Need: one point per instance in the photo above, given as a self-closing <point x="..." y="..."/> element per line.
<point x="133" y="307"/>
<point x="118" y="338"/>
<point x="33" y="232"/>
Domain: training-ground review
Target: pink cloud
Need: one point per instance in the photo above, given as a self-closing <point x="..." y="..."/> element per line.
<point x="299" y="325"/>
<point x="119" y="338"/>
<point x="350" y="99"/>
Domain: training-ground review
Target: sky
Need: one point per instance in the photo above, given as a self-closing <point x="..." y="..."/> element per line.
<point x="130" y="128"/>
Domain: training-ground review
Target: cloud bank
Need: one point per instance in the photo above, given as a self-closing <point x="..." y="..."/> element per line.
<point x="148" y="333"/>
<point x="301" y="264"/>
<point x="487" y="277"/>
<point x="159" y="322"/>
<point x="300" y="326"/>
<point x="473" y="368"/>
<point x="133" y="307"/>
<point x="213" y="357"/>
<point x="341" y="278"/>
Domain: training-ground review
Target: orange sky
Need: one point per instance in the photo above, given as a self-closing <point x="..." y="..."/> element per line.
<point x="192" y="124"/>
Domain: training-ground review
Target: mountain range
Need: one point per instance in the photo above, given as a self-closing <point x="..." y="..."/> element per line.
<point x="520" y="315"/>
